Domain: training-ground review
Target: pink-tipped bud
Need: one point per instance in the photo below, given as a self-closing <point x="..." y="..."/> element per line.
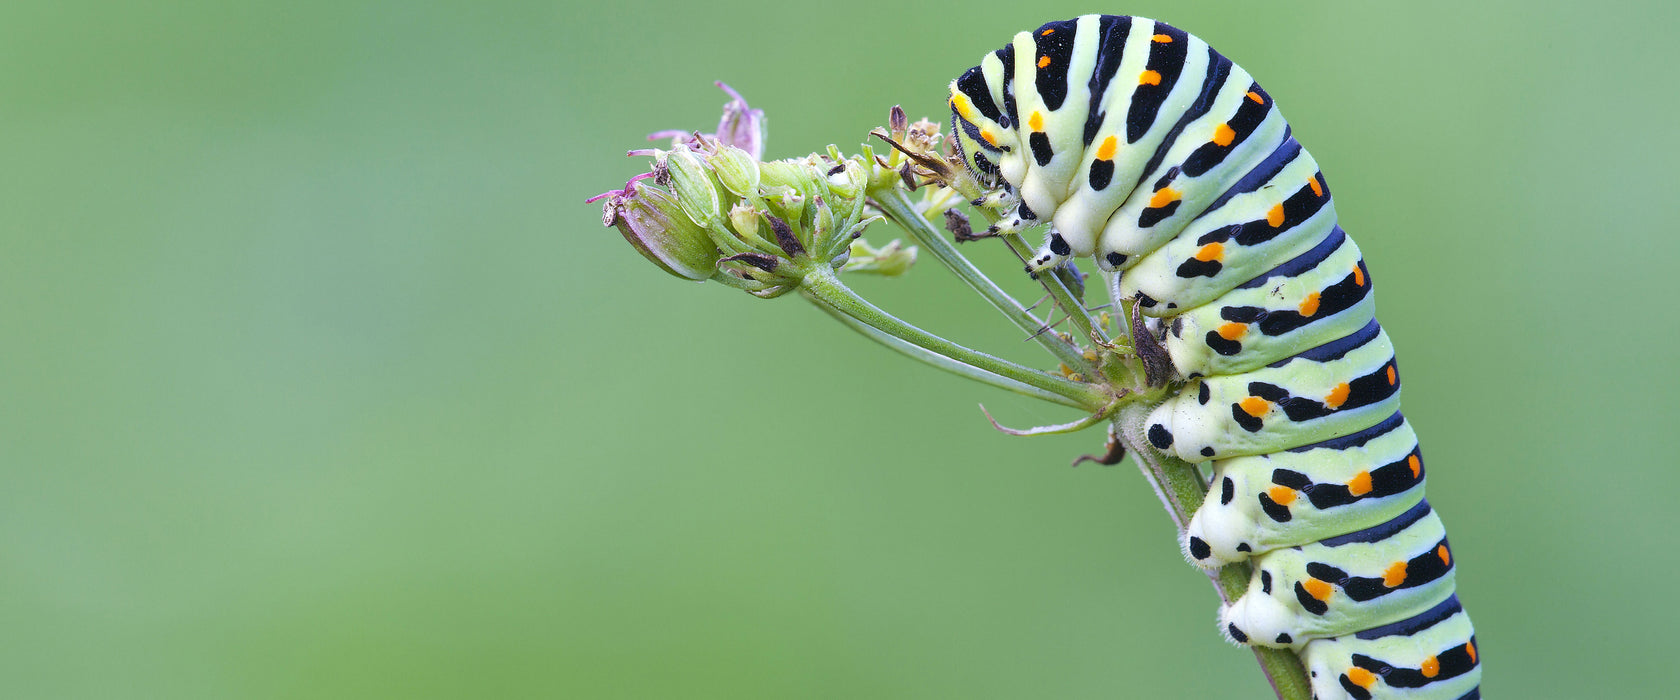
<point x="654" y="223"/>
<point x="741" y="126"/>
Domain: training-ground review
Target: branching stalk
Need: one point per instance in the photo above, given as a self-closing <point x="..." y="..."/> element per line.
<point x="945" y="363"/>
<point x="1064" y="298"/>
<point x="821" y="286"/>
<point x="1176" y="482"/>
<point x="895" y="202"/>
<point x="706" y="207"/>
<point x="1075" y="309"/>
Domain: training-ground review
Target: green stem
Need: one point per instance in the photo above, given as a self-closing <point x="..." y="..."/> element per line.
<point x="895" y="202"/>
<point x="1182" y="490"/>
<point x="1074" y="308"/>
<point x="821" y="286"/>
<point x="1176" y="482"/>
<point x="945" y="363"/>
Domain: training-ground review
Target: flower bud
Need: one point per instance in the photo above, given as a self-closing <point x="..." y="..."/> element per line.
<point x="654" y="223"/>
<point x="899" y="121"/>
<point x="736" y="171"/>
<point x="787" y="203"/>
<point x="741" y="126"/>
<point x="847" y="180"/>
<point x="692" y="185"/>
<point x="890" y="260"/>
<point x="786" y="174"/>
<point x="822" y="221"/>
<point x="744" y="219"/>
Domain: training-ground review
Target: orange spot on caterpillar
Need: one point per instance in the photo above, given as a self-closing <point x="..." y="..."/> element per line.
<point x="1317" y="589"/>
<point x="1318" y="190"/>
<point x="1337" y="395"/>
<point x="1211" y="252"/>
<point x="1256" y="97"/>
<point x="1471" y="648"/>
<point x="1149" y="77"/>
<point x="1047" y="32"/>
<point x="1417" y="466"/>
<point x="1309" y="306"/>
<point x="1223" y="135"/>
<point x="1391" y="378"/>
<point x="1361" y="677"/>
<point x="1233" y="331"/>
<point x="1275" y="216"/>
<point x="960" y="102"/>
<point x="1035" y="122"/>
<point x="989" y="138"/>
<point x="1255" y="406"/>
<point x="1162" y="38"/>
<point x="1431" y="667"/>
<point x="1395" y="574"/>
<point x="1163" y="197"/>
<point x="1106" y="150"/>
<point x="1446" y="556"/>
<point x="1044" y="62"/>
<point x="1360" y="484"/>
<point x="1282" y="494"/>
<point x="1358" y="276"/>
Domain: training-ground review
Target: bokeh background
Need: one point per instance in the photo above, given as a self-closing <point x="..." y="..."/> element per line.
<point x="318" y="379"/>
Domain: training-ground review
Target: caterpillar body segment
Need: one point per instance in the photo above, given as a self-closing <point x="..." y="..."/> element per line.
<point x="1325" y="292"/>
<point x="1146" y="149"/>
<point x="1301" y="495"/>
<point x="1052" y="118"/>
<point x="1430" y="655"/>
<point x="1335" y="389"/>
<point x="1195" y="170"/>
<point x="1223" y="250"/>
<point x="1114" y="157"/>
<point x="1333" y="587"/>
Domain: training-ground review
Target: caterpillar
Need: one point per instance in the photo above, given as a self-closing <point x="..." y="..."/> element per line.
<point x="1146" y="149"/>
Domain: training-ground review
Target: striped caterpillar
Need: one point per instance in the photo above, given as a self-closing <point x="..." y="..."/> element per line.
<point x="1143" y="147"/>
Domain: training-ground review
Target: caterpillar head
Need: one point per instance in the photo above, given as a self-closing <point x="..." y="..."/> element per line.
<point x="982" y="114"/>
<point x="978" y="146"/>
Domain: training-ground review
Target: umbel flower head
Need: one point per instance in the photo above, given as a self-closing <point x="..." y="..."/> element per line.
<point x="709" y="209"/>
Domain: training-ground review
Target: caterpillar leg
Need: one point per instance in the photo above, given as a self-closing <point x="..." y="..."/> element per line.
<point x="1111" y="260"/>
<point x="1054" y="252"/>
<point x="996" y="200"/>
<point x="1019" y="217"/>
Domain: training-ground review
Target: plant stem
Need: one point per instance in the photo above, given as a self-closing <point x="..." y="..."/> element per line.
<point x="821" y="286"/>
<point x="1176" y="482"/>
<point x="1181" y="491"/>
<point x="895" y="202"/>
<point x="1075" y="309"/>
<point x="942" y="362"/>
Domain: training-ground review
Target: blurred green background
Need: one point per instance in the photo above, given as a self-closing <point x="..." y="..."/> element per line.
<point x="318" y="379"/>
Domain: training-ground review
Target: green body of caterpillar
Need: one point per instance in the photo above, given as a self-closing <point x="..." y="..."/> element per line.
<point x="1145" y="148"/>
